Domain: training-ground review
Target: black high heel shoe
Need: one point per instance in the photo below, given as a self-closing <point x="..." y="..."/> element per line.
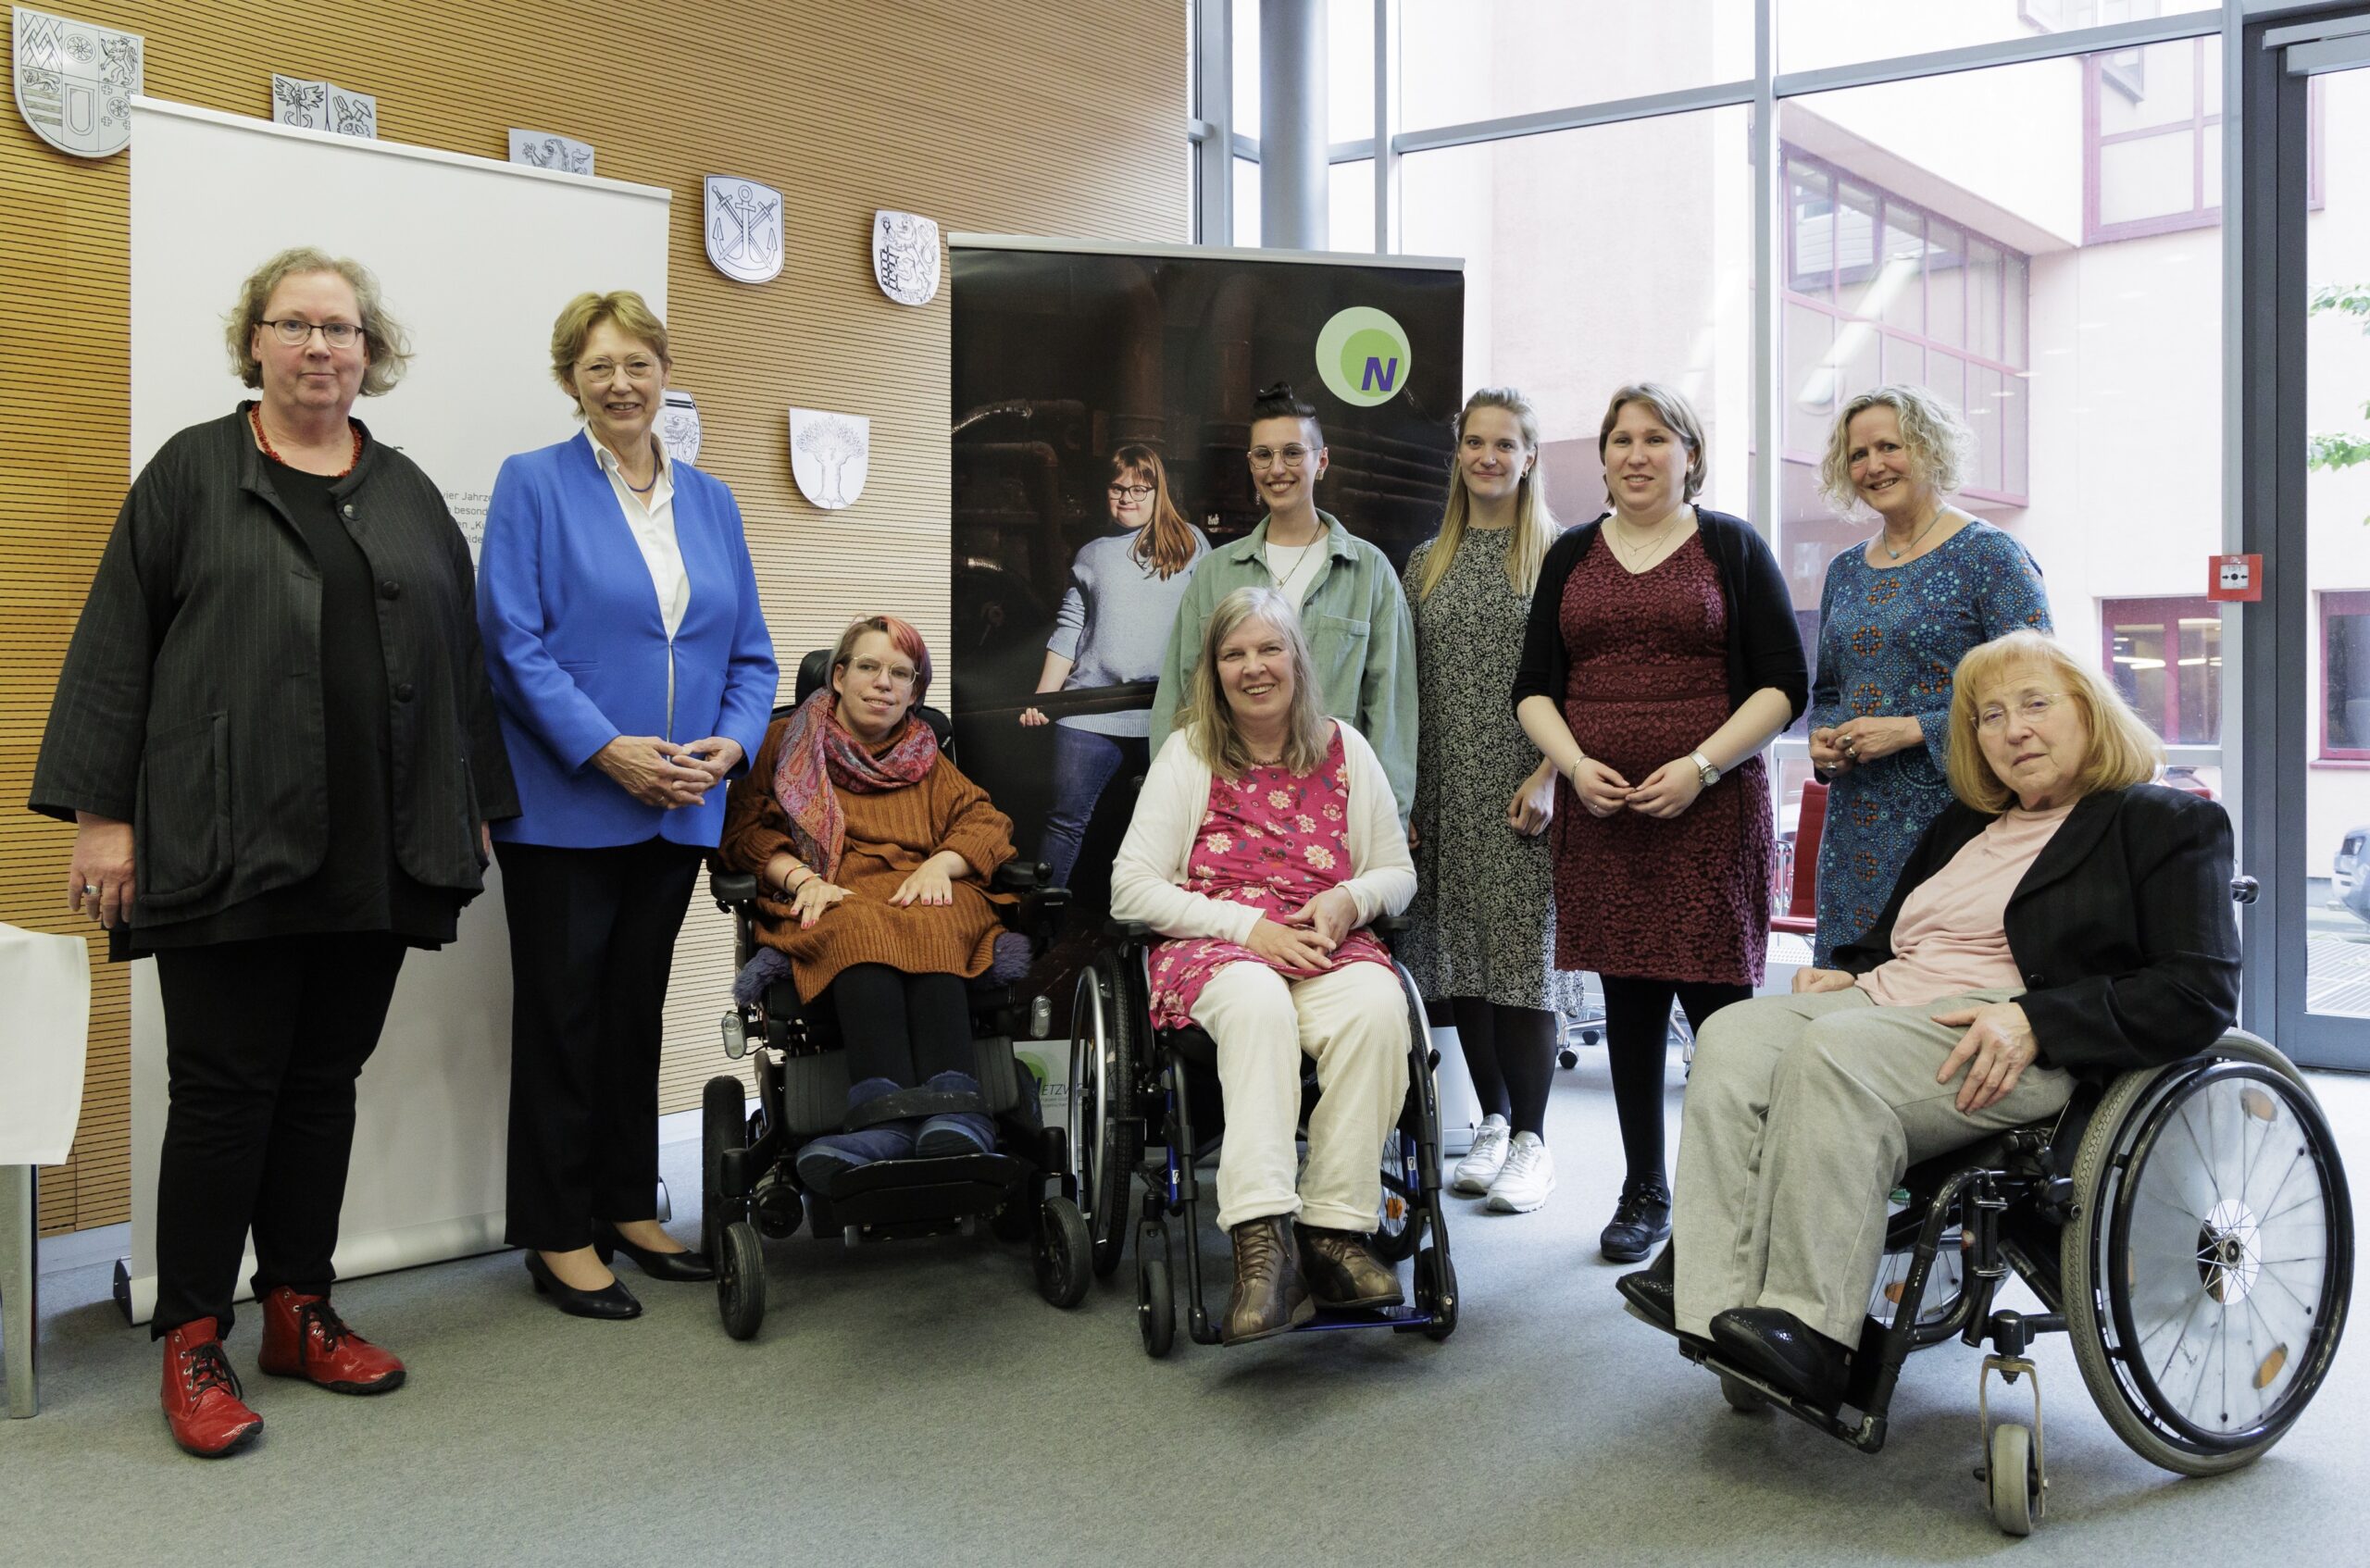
<point x="678" y="1268"/>
<point x="612" y="1300"/>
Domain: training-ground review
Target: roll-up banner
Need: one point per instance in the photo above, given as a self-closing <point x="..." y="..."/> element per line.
<point x="1068" y="354"/>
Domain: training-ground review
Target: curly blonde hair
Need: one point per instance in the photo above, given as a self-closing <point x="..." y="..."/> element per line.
<point x="385" y="346"/>
<point x="1940" y="446"/>
<point x="2123" y="752"/>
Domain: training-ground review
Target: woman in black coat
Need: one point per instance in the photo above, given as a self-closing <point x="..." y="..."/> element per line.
<point x="2064" y="918"/>
<point x="274" y="735"/>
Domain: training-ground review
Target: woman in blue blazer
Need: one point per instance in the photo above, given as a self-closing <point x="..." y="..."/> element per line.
<point x="635" y="676"/>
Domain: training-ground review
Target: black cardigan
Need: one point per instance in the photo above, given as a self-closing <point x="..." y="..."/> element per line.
<point x="1765" y="645"/>
<point x="2123" y="928"/>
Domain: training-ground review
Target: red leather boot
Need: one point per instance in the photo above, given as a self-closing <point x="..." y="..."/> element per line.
<point x="203" y="1402"/>
<point x="303" y="1336"/>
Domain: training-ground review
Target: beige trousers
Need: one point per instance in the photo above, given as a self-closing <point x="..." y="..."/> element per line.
<point x="1354" y="1021"/>
<point x="1802" y="1113"/>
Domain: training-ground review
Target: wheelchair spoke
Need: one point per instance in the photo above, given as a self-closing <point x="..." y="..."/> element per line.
<point x="2204" y="1160"/>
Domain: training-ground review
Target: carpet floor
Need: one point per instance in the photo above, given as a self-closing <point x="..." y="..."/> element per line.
<point x="918" y="1403"/>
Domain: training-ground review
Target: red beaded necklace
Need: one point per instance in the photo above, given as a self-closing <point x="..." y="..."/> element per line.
<point x="254" y="417"/>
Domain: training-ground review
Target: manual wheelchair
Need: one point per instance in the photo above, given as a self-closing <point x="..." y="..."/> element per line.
<point x="750" y="1186"/>
<point x="1130" y="1082"/>
<point x="2188" y="1226"/>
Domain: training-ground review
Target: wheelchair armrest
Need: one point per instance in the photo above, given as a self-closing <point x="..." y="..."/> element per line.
<point x="1021" y="877"/>
<point x="1388" y="924"/>
<point x="732" y="889"/>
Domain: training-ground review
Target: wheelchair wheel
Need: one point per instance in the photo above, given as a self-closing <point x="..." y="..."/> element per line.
<point x="723" y="1125"/>
<point x="1064" y="1259"/>
<point x="1436" y="1292"/>
<point x="2209" y="1269"/>
<point x="1399" y="1228"/>
<point x="1156" y="1298"/>
<point x="1744" y="1398"/>
<point x="1105" y="1138"/>
<point x="2010" y="1479"/>
<point x="740" y="1280"/>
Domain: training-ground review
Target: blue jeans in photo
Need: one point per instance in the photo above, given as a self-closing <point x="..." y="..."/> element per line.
<point x="1084" y="763"/>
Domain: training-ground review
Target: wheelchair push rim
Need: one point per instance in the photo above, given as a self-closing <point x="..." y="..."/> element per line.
<point x="2210" y="1273"/>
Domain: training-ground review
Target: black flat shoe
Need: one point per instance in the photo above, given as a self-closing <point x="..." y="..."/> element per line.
<point x="1651" y="1292"/>
<point x="612" y="1300"/>
<point x="1782" y="1347"/>
<point x="678" y="1268"/>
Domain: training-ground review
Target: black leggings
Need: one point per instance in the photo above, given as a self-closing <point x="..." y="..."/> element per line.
<point x="907" y="1029"/>
<point x="1637" y="1042"/>
<point x="1511" y="1053"/>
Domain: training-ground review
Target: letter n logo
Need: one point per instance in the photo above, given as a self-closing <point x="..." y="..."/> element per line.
<point x="1380" y="373"/>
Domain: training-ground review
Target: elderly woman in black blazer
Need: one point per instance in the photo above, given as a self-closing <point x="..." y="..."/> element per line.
<point x="274" y="734"/>
<point x="2063" y="918"/>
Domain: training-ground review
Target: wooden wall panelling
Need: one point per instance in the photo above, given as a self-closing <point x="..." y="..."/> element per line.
<point x="1049" y="117"/>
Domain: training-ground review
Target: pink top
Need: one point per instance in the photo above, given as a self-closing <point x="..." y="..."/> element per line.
<point x="1951" y="935"/>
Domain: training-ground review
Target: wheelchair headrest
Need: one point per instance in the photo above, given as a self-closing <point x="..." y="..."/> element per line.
<point x="814" y="673"/>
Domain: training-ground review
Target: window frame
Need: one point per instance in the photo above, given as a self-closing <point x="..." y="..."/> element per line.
<point x="2332" y="602"/>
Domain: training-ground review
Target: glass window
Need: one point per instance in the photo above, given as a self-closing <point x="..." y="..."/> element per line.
<point x="2152" y="160"/>
<point x="2166" y="657"/>
<point x="1246" y="202"/>
<point x="1885" y="291"/>
<point x="1244" y="26"/>
<point x="1811" y="33"/>
<point x="1566" y="298"/>
<point x="1349" y="206"/>
<point x="1465" y="60"/>
<point x="1349" y="73"/>
<point x="2345" y="677"/>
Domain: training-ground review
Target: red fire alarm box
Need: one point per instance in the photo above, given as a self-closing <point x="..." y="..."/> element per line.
<point x="2234" y="579"/>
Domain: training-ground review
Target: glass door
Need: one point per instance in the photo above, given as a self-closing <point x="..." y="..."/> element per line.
<point x="2316" y="673"/>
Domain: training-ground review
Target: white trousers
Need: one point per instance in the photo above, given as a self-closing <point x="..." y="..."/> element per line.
<point x="1802" y="1113"/>
<point x="1354" y="1021"/>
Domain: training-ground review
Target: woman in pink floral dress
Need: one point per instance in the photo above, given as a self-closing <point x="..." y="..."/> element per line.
<point x="1265" y="840"/>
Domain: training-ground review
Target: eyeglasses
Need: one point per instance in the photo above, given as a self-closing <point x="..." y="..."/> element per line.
<point x="337" y="334"/>
<point x="865" y="669"/>
<point x="1268" y="456"/>
<point x="603" y="371"/>
<point x="1130" y="491"/>
<point x="2032" y="707"/>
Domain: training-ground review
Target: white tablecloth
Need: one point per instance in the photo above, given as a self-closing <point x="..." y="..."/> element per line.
<point x="44" y="1028"/>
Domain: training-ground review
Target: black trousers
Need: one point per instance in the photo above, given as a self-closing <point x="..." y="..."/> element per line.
<point x="1637" y="1047"/>
<point x="263" y="1043"/>
<point x="592" y="945"/>
<point x="907" y="1029"/>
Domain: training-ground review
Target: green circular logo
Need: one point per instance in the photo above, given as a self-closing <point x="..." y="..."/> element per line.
<point x="1363" y="356"/>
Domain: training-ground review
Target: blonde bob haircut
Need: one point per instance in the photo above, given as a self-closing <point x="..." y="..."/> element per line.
<point x="580" y="316"/>
<point x="1534" y="525"/>
<point x="1675" y="414"/>
<point x="386" y="347"/>
<point x="1940" y="446"/>
<point x="2124" y="751"/>
<point x="1208" y="720"/>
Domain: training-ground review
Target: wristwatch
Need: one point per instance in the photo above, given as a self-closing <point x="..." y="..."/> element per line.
<point x="1703" y="768"/>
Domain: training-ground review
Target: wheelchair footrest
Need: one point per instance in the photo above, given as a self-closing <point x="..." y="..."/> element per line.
<point x="928" y="1193"/>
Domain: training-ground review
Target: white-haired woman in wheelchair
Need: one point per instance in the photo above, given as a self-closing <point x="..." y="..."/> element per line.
<point x="2063" y="918"/>
<point x="1265" y="841"/>
<point x="872" y="854"/>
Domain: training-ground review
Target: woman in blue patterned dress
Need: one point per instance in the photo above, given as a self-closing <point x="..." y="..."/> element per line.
<point x="1895" y="618"/>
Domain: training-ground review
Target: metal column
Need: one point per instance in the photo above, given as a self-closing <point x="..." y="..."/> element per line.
<point x="1292" y="146"/>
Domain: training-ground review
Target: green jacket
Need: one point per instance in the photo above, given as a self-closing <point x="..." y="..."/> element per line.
<point x="1359" y="633"/>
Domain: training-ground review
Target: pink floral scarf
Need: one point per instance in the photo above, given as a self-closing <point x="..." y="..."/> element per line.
<point x="819" y="753"/>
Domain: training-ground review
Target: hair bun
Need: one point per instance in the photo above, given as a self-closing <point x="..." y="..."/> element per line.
<point x="1280" y="392"/>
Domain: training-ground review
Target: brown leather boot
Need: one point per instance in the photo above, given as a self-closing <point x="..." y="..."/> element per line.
<point x="1269" y="1294"/>
<point x="1341" y="1272"/>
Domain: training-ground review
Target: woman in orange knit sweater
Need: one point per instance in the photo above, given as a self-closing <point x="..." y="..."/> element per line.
<point x="872" y="854"/>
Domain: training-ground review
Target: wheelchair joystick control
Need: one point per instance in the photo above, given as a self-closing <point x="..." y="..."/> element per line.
<point x="1041" y="1017"/>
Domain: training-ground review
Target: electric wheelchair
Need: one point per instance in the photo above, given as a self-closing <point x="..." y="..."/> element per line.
<point x="2189" y="1227"/>
<point x="750" y="1186"/>
<point x="1130" y="1083"/>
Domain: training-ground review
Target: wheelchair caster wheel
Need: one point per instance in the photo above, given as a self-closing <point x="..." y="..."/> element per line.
<point x="1064" y="1253"/>
<point x="1156" y="1298"/>
<point x="1742" y="1398"/>
<point x="1568" y="1057"/>
<point x="1436" y="1292"/>
<point x="740" y="1280"/>
<point x="2011" y="1479"/>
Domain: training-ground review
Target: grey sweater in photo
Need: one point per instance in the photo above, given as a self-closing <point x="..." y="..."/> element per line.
<point x="1114" y="621"/>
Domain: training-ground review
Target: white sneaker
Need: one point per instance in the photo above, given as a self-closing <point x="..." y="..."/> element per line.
<point x="1527" y="1178"/>
<point x="1478" y="1169"/>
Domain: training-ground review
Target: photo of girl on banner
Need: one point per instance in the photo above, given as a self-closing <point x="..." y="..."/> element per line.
<point x="1104" y="403"/>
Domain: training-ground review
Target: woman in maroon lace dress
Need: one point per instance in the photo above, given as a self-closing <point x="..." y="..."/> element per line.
<point x="1654" y="671"/>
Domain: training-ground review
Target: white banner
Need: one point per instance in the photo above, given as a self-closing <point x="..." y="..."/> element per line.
<point x="475" y="258"/>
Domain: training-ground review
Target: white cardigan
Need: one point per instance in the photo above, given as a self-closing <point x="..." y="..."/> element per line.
<point x="1145" y="880"/>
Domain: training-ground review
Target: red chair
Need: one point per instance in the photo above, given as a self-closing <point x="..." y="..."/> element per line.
<point x="1802" y="908"/>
